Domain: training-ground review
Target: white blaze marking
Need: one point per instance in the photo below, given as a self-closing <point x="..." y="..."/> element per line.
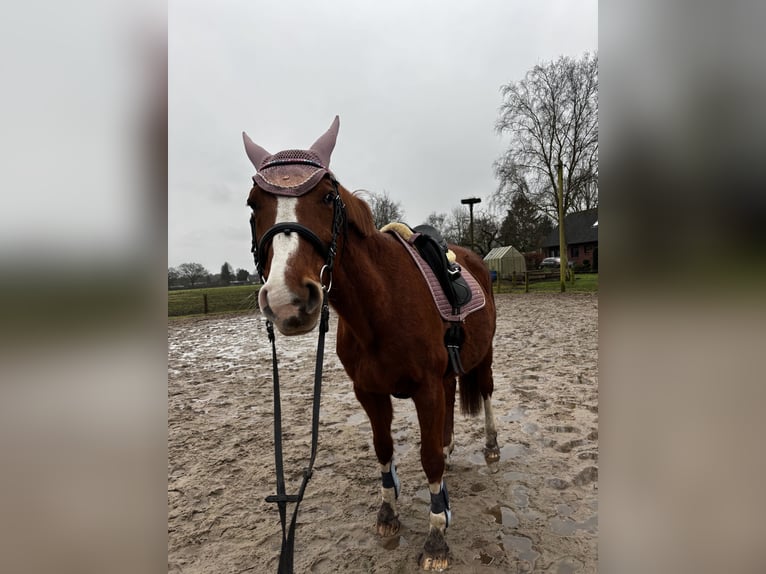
<point x="283" y="246"/>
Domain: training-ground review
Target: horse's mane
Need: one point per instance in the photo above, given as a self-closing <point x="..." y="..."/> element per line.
<point x="358" y="213"/>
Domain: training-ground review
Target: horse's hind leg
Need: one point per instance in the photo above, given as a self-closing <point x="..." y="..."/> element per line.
<point x="380" y="412"/>
<point x="487" y="385"/>
<point x="448" y="437"/>
<point x="482" y="377"/>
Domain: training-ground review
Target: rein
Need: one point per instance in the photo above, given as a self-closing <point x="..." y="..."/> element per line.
<point x="259" y="253"/>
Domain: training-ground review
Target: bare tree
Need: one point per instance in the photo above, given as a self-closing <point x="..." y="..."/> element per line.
<point x="486" y="233"/>
<point x="552" y="117"/>
<point x="384" y="209"/>
<point x="456" y="227"/>
<point x="437" y="221"/>
<point x="193" y="272"/>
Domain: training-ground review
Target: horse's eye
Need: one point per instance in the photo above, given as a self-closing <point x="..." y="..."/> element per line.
<point x="328" y="198"/>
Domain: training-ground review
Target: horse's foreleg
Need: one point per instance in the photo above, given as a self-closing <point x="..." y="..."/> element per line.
<point x="430" y="404"/>
<point x="380" y="412"/>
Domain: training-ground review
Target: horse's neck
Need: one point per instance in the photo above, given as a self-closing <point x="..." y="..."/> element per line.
<point x="361" y="292"/>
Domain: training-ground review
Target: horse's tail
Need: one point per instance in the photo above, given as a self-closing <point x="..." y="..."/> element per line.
<point x="471" y="400"/>
<point x="476" y="385"/>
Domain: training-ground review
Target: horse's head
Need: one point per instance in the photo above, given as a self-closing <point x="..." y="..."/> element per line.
<point x="296" y="214"/>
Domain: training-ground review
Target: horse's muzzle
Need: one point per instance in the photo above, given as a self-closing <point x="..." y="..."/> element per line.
<point x="292" y="313"/>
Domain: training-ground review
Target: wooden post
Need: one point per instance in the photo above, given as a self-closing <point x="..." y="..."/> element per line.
<point x="562" y="236"/>
<point x="204" y="300"/>
<point x="526" y="281"/>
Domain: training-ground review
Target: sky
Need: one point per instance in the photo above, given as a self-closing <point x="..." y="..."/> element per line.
<point x="416" y="86"/>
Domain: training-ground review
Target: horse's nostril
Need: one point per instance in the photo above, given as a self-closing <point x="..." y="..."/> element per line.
<point x="315" y="296"/>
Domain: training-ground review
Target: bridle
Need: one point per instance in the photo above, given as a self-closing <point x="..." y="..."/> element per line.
<point x="328" y="252"/>
<point x="260" y="252"/>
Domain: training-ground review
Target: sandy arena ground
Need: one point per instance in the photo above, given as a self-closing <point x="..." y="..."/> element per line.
<point x="538" y="513"/>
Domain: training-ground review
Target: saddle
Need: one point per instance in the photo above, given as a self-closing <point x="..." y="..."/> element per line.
<point x="456" y="292"/>
<point x="434" y="251"/>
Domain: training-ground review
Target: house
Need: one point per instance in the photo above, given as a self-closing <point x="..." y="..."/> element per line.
<point x="581" y="231"/>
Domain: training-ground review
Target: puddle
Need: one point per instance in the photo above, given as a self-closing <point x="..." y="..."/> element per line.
<point x="567" y="527"/>
<point x="503" y="515"/>
<point x="514" y="415"/>
<point x="568" y="565"/>
<point x="529" y="428"/>
<point x="513" y="475"/>
<point x="520" y="497"/>
<point x="522" y="546"/>
<point x="564" y="509"/>
<point x="586" y="476"/>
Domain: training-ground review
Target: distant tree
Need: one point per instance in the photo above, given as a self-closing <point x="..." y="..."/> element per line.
<point x="174" y="276"/>
<point x="227" y="273"/>
<point x="524" y="226"/>
<point x="456" y="226"/>
<point x="384" y="209"/>
<point x="193" y="272"/>
<point x="551" y="116"/>
<point x="486" y="232"/>
<point x="243" y="274"/>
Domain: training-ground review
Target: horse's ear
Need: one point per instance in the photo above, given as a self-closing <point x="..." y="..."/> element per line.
<point x="255" y="152"/>
<point x="326" y="143"/>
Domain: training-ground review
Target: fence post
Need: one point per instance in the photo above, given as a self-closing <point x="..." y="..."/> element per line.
<point x="204" y="300"/>
<point x="526" y="281"/>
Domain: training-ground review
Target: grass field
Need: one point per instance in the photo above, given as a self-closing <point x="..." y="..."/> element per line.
<point x="232" y="299"/>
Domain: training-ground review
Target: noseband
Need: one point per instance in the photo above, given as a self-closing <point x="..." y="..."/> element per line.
<point x="328" y="252"/>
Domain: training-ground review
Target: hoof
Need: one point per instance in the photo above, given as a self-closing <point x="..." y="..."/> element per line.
<point x="435" y="556"/>
<point x="388" y="523"/>
<point x="491" y="455"/>
<point x="434" y="564"/>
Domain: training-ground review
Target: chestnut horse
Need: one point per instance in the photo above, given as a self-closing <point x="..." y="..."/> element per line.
<point x="390" y="335"/>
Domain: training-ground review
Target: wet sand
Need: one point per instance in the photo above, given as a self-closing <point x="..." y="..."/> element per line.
<point x="537" y="513"/>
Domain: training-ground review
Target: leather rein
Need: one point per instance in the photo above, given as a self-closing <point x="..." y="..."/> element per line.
<point x="260" y="252"/>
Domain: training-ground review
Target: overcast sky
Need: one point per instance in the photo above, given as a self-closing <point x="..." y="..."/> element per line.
<point x="415" y="83"/>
